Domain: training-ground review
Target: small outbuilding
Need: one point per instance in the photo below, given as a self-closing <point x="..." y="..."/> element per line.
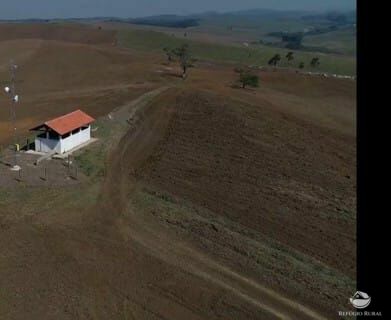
<point x="64" y="133"/>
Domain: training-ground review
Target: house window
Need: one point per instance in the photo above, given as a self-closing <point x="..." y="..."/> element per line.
<point x="76" y="131"/>
<point x="53" y="135"/>
<point x="64" y="136"/>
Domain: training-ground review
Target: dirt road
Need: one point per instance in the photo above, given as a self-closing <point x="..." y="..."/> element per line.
<point x="132" y="151"/>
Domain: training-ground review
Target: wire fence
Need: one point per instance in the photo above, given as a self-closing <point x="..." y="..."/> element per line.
<point x="48" y="172"/>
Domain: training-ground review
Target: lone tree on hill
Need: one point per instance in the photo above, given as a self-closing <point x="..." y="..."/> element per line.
<point x="274" y="60"/>
<point x="289" y="56"/>
<point x="185" y="59"/>
<point x="246" y="78"/>
<point x="168" y="53"/>
<point x="315" y="62"/>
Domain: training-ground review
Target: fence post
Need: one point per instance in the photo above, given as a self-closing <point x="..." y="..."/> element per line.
<point x="20" y="177"/>
<point x="44" y="174"/>
<point x="69" y="166"/>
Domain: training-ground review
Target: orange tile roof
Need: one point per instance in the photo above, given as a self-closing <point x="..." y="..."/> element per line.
<point x="68" y="122"/>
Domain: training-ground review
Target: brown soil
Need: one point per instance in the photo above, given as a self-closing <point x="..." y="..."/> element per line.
<point x="54" y="78"/>
<point x="113" y="215"/>
<point x="60" y="32"/>
<point x="217" y="202"/>
<point x="51" y="173"/>
<point x="235" y="160"/>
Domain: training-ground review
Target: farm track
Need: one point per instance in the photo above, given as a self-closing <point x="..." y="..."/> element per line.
<point x="134" y="148"/>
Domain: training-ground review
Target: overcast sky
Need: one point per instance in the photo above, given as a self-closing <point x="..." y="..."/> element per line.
<point x="18" y="9"/>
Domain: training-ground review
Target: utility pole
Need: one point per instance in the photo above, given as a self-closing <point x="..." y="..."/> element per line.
<point x="11" y="91"/>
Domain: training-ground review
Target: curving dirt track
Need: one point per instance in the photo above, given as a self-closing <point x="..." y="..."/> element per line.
<point x="115" y="215"/>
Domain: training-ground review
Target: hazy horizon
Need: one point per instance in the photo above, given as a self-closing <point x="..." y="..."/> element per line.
<point x="46" y="9"/>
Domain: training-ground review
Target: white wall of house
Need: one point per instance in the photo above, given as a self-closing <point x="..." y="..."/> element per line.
<point x="63" y="144"/>
<point x="47" y="145"/>
<point x="75" y="139"/>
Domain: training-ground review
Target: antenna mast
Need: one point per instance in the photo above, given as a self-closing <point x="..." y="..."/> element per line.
<point x="11" y="91"/>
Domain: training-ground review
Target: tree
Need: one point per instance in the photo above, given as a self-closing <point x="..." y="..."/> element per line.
<point x="246" y="78"/>
<point x="289" y="56"/>
<point x="185" y="59"/>
<point x="315" y="62"/>
<point x="169" y="53"/>
<point x="274" y="60"/>
<point x="301" y="65"/>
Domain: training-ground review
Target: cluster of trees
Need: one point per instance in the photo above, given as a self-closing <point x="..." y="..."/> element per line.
<point x="315" y="62"/>
<point x="248" y="78"/>
<point x="181" y="54"/>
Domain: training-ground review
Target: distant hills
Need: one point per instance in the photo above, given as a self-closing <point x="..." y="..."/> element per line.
<point x="172" y="21"/>
<point x="333" y="16"/>
<point x="184" y="21"/>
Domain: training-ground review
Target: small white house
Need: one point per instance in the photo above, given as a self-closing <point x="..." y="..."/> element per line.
<point x="64" y="133"/>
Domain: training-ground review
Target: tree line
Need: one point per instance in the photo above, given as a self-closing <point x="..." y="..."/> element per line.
<point x="315" y="61"/>
<point x="246" y="78"/>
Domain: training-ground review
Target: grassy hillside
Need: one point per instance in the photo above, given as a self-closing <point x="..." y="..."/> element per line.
<point x="257" y="55"/>
<point x="341" y="41"/>
<point x="256" y="25"/>
<point x="252" y="24"/>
